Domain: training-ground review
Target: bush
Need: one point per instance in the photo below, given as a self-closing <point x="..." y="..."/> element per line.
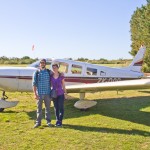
<point x="6" y="62"/>
<point x="146" y="68"/>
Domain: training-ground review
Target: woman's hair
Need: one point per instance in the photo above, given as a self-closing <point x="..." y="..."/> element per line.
<point x="55" y="65"/>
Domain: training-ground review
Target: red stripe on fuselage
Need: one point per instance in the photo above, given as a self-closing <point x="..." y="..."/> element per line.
<point x="17" y="77"/>
<point x="75" y="79"/>
<point x="94" y="79"/>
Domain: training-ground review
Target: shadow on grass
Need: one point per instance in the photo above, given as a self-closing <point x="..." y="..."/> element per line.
<point x="145" y="92"/>
<point x="106" y="130"/>
<point x="8" y="111"/>
<point x="129" y="109"/>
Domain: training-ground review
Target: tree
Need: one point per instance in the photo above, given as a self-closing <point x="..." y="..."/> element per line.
<point x="25" y="57"/>
<point x="140" y="32"/>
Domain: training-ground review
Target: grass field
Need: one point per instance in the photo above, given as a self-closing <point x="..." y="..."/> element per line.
<point x="118" y="122"/>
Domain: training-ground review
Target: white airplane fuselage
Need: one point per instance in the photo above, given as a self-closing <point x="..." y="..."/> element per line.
<point x="20" y="78"/>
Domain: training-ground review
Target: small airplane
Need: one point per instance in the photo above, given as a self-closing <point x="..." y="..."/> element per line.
<point x="80" y="77"/>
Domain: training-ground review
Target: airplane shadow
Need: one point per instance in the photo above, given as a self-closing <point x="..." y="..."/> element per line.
<point x="128" y="109"/>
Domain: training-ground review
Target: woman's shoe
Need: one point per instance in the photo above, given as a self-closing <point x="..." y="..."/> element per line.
<point x="58" y="124"/>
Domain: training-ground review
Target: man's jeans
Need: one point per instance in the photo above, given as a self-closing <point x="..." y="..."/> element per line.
<point x="47" y="101"/>
<point x="59" y="107"/>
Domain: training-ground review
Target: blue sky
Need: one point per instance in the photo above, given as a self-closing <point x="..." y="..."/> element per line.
<point x="91" y="29"/>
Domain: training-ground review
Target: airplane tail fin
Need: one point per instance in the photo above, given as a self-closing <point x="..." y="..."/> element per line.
<point x="137" y="62"/>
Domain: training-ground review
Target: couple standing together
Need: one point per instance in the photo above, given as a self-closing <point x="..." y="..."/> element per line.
<point x="43" y="80"/>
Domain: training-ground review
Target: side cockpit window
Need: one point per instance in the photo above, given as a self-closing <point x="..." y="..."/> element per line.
<point x="102" y="73"/>
<point x="63" y="67"/>
<point x="48" y="63"/>
<point x="91" y="71"/>
<point x="76" y="69"/>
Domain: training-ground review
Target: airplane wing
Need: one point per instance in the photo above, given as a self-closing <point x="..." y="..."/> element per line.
<point x="110" y="86"/>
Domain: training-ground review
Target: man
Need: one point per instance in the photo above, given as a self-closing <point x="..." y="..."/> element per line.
<point x="41" y="89"/>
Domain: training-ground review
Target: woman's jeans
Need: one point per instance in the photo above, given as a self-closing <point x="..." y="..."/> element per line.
<point x="59" y="107"/>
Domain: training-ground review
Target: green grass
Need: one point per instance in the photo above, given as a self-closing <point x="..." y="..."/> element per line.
<point x="118" y="122"/>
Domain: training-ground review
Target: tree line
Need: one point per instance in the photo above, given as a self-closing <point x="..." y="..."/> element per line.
<point x="28" y="60"/>
<point x="105" y="61"/>
<point x="140" y="32"/>
<point x="15" y="60"/>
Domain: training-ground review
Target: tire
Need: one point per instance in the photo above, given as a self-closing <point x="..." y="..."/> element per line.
<point x="1" y="109"/>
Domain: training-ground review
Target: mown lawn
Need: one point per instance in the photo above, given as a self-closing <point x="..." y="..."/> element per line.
<point x="118" y="122"/>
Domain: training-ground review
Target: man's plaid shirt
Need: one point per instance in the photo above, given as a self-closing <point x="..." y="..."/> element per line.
<point x="42" y="82"/>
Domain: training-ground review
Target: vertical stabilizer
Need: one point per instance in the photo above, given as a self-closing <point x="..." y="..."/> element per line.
<point x="137" y="62"/>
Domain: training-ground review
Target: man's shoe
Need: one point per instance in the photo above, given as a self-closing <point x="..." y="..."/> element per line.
<point x="37" y="125"/>
<point x="49" y="124"/>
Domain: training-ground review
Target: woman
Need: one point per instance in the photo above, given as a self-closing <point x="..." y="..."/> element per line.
<point x="58" y="84"/>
